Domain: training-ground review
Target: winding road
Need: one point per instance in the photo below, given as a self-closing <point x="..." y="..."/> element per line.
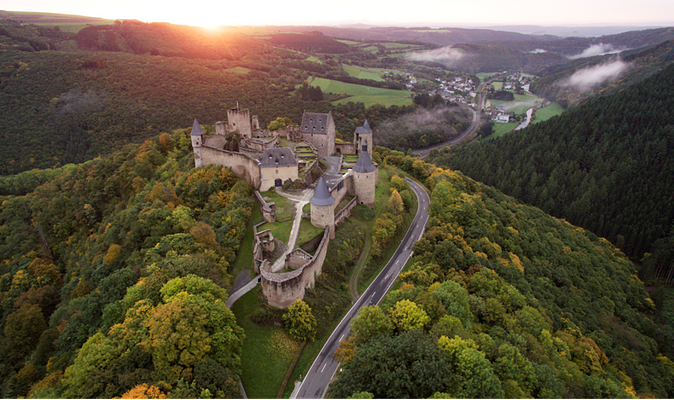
<point x="325" y="366"/>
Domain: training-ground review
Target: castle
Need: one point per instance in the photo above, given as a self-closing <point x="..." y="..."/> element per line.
<point x="259" y="158"/>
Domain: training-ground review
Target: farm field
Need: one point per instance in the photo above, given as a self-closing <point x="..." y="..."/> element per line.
<point x="314" y="59"/>
<point x="485" y="75"/>
<point x="364" y="73"/>
<point x="544" y="114"/>
<point x="238" y="70"/>
<point x="520" y="105"/>
<point x="363" y="94"/>
<point x="502" y="129"/>
<point x="65" y="22"/>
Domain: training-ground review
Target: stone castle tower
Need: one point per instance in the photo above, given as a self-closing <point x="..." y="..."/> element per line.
<point x="365" y="175"/>
<point x="197" y="136"/>
<point x="363" y="134"/>
<point x="239" y="120"/>
<point x="322" y="206"/>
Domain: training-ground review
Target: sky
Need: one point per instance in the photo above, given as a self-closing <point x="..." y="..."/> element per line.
<point x="433" y="13"/>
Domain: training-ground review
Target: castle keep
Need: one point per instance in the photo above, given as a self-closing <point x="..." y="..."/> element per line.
<point x="257" y="156"/>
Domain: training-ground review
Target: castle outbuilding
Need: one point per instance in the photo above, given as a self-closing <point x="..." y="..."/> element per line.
<point x="277" y="165"/>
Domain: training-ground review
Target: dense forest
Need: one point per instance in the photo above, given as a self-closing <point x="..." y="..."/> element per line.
<point x="606" y="166"/>
<point x="115" y="273"/>
<point x="634" y="66"/>
<point x="505" y="301"/>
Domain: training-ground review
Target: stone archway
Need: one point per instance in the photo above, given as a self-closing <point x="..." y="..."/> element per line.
<point x="278" y="182"/>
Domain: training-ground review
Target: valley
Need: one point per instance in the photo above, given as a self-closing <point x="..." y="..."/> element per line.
<point x="508" y="234"/>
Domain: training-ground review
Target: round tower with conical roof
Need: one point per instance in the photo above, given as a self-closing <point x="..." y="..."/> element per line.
<point x="197" y="141"/>
<point x="364" y="178"/>
<point x="322" y="206"/>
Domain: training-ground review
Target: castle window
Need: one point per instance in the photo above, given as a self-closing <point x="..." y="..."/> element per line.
<point x="320" y="120"/>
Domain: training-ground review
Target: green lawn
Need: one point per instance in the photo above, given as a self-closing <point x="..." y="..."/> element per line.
<point x="238" y="70"/>
<point x="520" y="105"/>
<point x="543" y="114"/>
<point x="284" y="209"/>
<point x="497" y="86"/>
<point x="502" y="129"/>
<point x="267" y="350"/>
<point x="307" y="232"/>
<point x="364" y="94"/>
<point x="280" y="230"/>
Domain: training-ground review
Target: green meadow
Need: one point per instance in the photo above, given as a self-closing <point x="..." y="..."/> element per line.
<point x="545" y="113"/>
<point x="363" y="94"/>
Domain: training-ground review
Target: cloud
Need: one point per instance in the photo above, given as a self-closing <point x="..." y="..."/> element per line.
<point x="597" y="50"/>
<point x="444" y="55"/>
<point x="585" y="79"/>
<point x="538" y="51"/>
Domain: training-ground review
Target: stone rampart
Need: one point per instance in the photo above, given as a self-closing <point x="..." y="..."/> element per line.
<point x="242" y="166"/>
<point x="345" y="212"/>
<point x="282" y="289"/>
<point x="268" y="208"/>
<point x="345" y="148"/>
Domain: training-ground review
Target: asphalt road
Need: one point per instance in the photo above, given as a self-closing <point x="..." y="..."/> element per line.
<point x="320" y="374"/>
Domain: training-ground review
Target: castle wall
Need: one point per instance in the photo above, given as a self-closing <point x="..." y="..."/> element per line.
<point x="345" y="148"/>
<point x="242" y="166"/>
<point x="338" y="193"/>
<point x="260" y="145"/>
<point x="221" y="128"/>
<point x="345" y="212"/>
<point x="268" y="175"/>
<point x="282" y="289"/>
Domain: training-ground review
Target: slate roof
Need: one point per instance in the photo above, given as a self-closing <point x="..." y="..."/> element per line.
<point x="364" y="129"/>
<point x="277" y="157"/>
<point x="322" y="195"/>
<point x="196" y="129"/>
<point x="364" y="163"/>
<point x="314" y="123"/>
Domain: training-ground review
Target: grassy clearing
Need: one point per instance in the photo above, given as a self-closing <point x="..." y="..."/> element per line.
<point x="280" y="230"/>
<point x="364" y="73"/>
<point x="520" y="105"/>
<point x="349" y="42"/>
<point x="544" y="114"/>
<point x="497" y="86"/>
<point x="307" y="232"/>
<point x="364" y="94"/>
<point x="502" y="129"/>
<point x="267" y="350"/>
<point x="238" y="70"/>
<point x="484" y="75"/>
<point x="314" y="59"/>
<point x="284" y="208"/>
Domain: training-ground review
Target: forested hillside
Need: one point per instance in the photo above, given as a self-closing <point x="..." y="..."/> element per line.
<point x="575" y="81"/>
<point x="606" y="166"/>
<point x="505" y="301"/>
<point x="114" y="276"/>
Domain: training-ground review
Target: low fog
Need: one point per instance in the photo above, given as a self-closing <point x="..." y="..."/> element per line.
<point x="600" y="49"/>
<point x="447" y="56"/>
<point x="585" y="79"/>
